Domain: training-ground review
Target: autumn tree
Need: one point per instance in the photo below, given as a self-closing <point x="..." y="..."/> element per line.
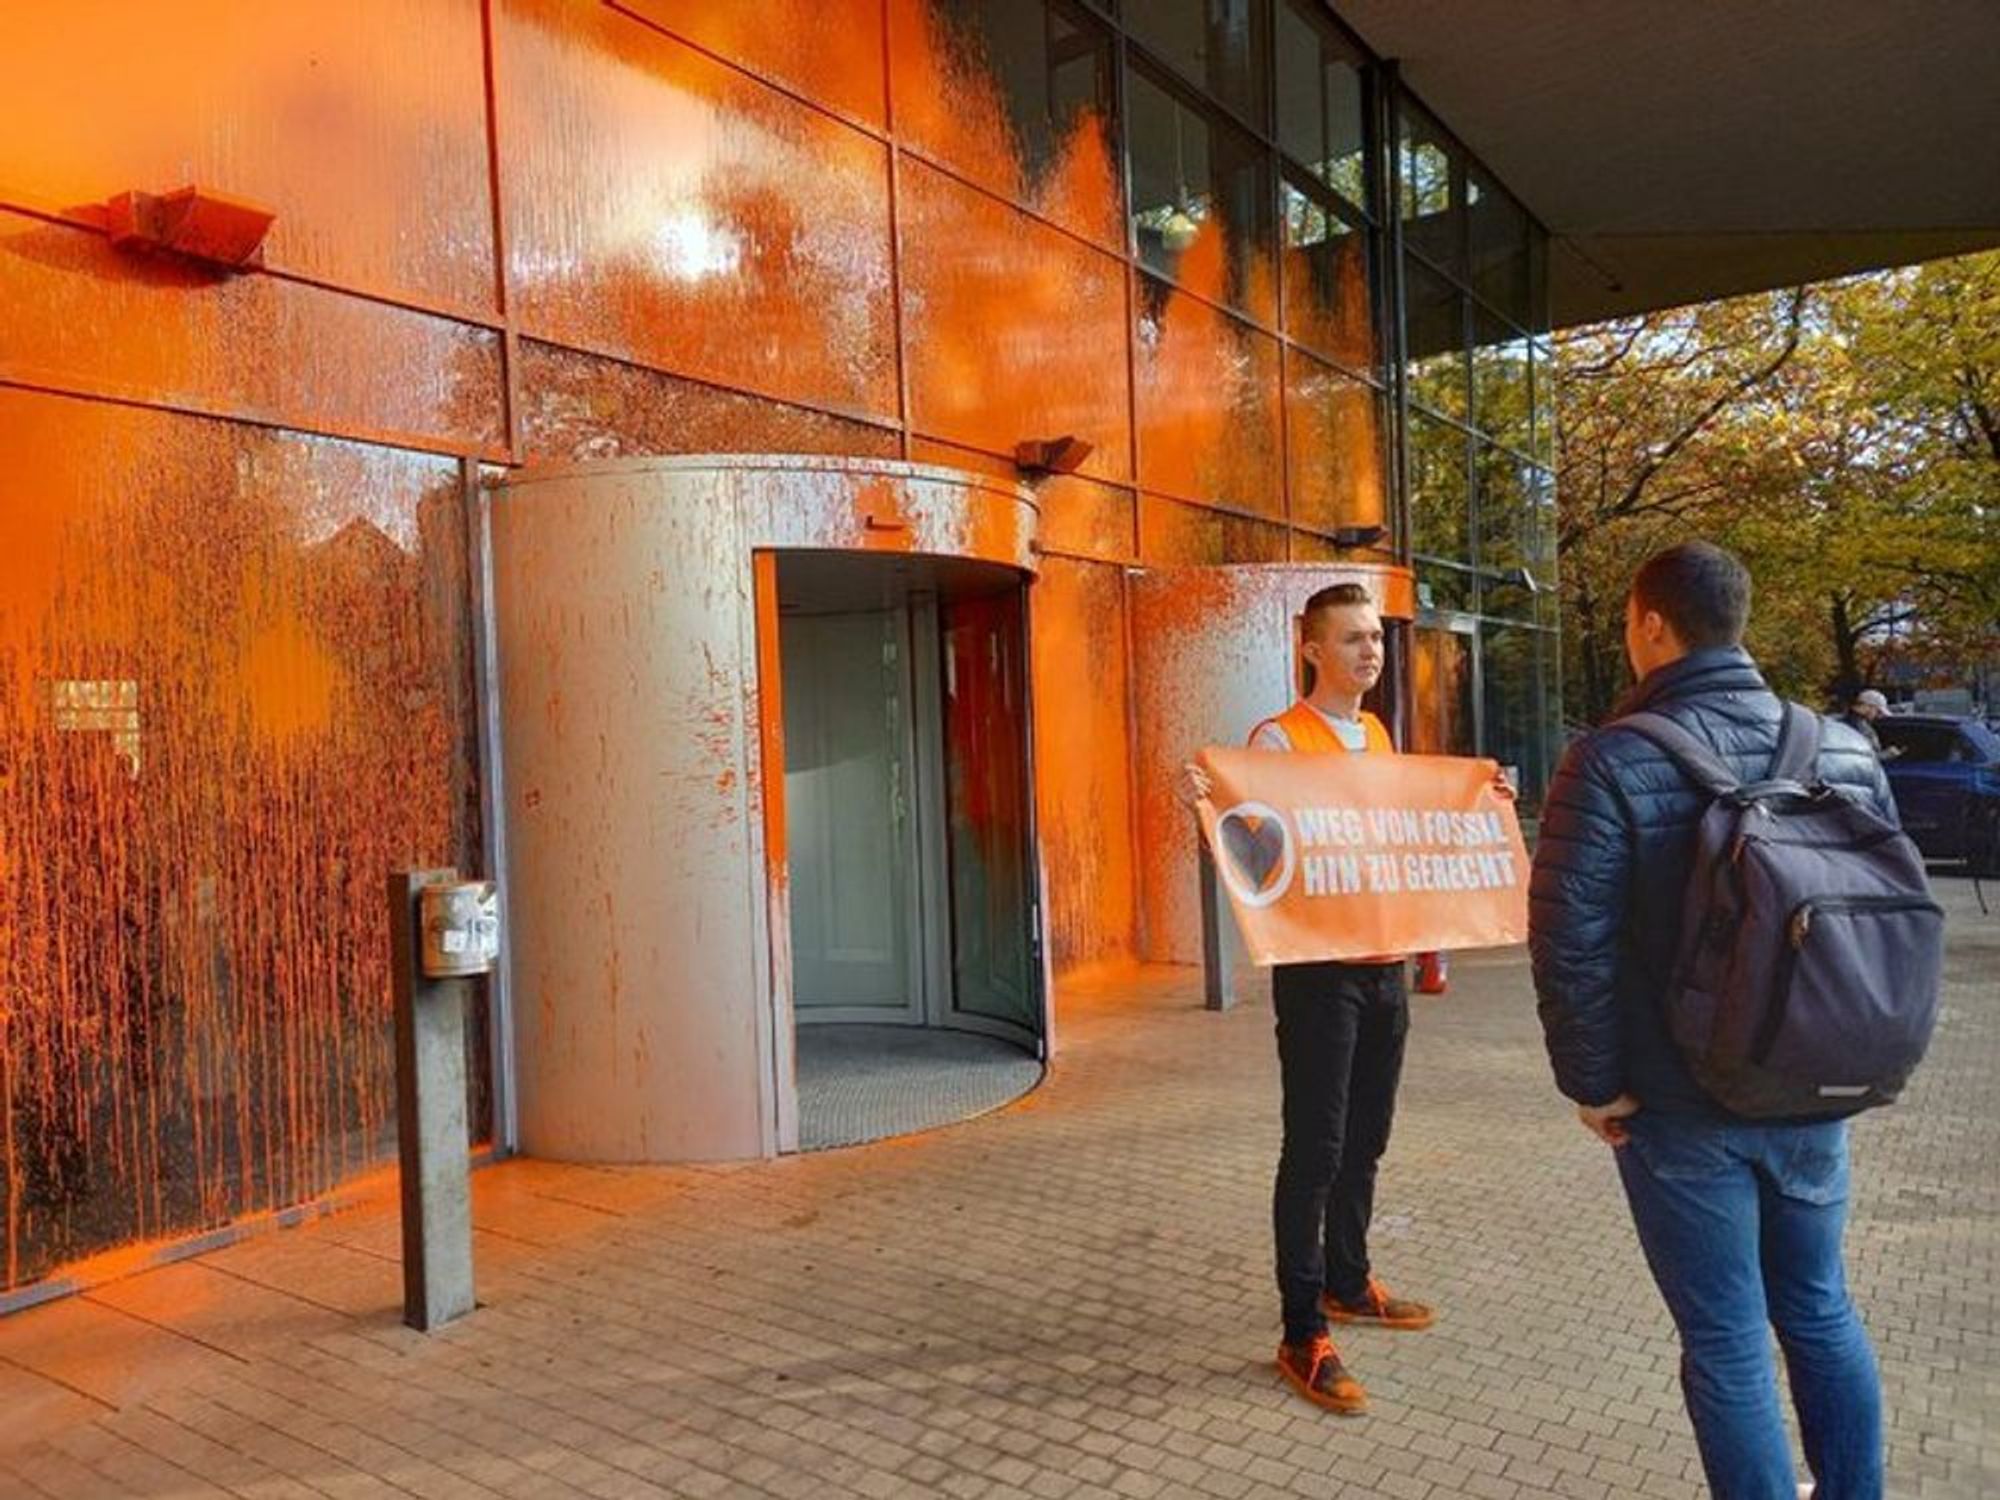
<point x="1844" y="438"/>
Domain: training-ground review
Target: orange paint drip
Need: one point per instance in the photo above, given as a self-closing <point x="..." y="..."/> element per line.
<point x="1208" y="392"/>
<point x="242" y="710"/>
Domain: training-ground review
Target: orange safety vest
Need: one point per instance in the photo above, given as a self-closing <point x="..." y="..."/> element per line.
<point x="1308" y="733"/>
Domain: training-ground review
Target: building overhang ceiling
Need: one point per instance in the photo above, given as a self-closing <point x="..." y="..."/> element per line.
<point x="1679" y="153"/>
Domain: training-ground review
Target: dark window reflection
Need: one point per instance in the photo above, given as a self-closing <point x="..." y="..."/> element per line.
<point x="1441" y="708"/>
<point x="1501" y="389"/>
<point x="1507" y="522"/>
<point x="1202" y="209"/>
<point x="1220" y="46"/>
<point x="1334" y="441"/>
<point x="1432" y="190"/>
<point x="1434" y="325"/>
<point x="1329" y="277"/>
<point x="1498" y="231"/>
<point x="1442" y="587"/>
<point x="1050" y="61"/>
<point x="1440" y="505"/>
<point x="1322" y="109"/>
<point x="1517" y="667"/>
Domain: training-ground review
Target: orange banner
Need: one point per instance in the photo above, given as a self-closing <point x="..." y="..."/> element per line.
<point x="1355" y="856"/>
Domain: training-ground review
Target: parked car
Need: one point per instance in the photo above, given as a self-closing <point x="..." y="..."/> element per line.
<point x="1945" y="772"/>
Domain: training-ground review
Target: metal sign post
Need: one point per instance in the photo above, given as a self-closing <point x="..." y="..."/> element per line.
<point x="441" y="929"/>
<point x="1219" y="941"/>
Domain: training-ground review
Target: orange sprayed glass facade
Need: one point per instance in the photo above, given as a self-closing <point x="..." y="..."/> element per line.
<point x="237" y="611"/>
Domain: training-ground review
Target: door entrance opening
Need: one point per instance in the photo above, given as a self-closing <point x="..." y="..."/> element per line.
<point x="917" y="993"/>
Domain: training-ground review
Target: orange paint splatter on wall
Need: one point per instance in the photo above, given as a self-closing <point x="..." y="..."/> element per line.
<point x="1055" y="155"/>
<point x="232" y="656"/>
<point x="665" y="208"/>
<point x="238" y="725"/>
<point x="992" y="301"/>
<point x="828" y="50"/>
<point x="1207" y="397"/>
<point x="366" y="133"/>
<point x="1082" y="762"/>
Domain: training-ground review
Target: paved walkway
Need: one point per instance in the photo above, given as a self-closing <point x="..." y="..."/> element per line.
<point x="1068" y="1298"/>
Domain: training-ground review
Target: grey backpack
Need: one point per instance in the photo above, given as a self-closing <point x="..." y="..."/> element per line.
<point x="1806" y="983"/>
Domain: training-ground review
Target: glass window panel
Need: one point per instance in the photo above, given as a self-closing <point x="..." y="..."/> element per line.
<point x="996" y="299"/>
<point x="1516" y="665"/>
<point x="1203" y="208"/>
<point x="1329" y="279"/>
<point x="1322" y="101"/>
<point x="1507" y="521"/>
<point x="1497" y="231"/>
<point x="670" y="210"/>
<point x="1432" y="186"/>
<point x="1442" y="587"/>
<point x="1543" y="441"/>
<point x="1016" y="95"/>
<point x="1516" y="511"/>
<point x="1221" y="46"/>
<point x="1440" y="507"/>
<point x="1441" y="718"/>
<point x="1501" y="389"/>
<point x="1208" y="398"/>
<point x="1434" y="325"/>
<point x="1334" y="447"/>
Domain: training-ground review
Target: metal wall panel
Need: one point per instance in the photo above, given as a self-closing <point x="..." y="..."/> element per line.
<point x="579" y="406"/>
<point x="1334" y="448"/>
<point x="78" y="315"/>
<point x="1208" y="404"/>
<point x="364" y="126"/>
<point x="1083" y="785"/>
<point x="663" y="207"/>
<point x="828" y="50"/>
<point x="234" y="693"/>
<point x="995" y="301"/>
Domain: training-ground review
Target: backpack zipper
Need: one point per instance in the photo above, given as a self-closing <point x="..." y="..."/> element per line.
<point x="1798" y="927"/>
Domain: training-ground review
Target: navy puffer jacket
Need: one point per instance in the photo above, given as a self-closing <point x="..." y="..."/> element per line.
<point x="1617" y="839"/>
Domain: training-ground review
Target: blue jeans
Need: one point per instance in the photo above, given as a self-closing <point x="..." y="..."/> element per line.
<point x="1741" y="1224"/>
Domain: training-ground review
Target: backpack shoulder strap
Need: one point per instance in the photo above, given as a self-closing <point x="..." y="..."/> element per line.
<point x="1701" y="764"/>
<point x="1797" y="757"/>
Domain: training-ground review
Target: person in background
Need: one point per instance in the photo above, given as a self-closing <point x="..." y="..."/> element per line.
<point x="1867" y="707"/>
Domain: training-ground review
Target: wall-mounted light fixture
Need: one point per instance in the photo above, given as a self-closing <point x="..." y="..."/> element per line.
<point x="193" y="222"/>
<point x="1351" y="537"/>
<point x="1059" y="455"/>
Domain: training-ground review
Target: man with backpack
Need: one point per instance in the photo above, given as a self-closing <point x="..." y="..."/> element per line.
<point x="1733" y="949"/>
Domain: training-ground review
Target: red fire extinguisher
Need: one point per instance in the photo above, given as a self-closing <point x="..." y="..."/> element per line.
<point x="1433" y="974"/>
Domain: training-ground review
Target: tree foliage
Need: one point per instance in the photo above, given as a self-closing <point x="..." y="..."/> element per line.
<point x="1844" y="438"/>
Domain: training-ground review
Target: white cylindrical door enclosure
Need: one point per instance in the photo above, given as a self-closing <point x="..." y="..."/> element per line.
<point x="636" y="610"/>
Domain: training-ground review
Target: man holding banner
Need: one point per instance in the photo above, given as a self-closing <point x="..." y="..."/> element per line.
<point x="1339" y="857"/>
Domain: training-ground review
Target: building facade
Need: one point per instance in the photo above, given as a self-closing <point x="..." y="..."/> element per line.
<point x="1282" y="314"/>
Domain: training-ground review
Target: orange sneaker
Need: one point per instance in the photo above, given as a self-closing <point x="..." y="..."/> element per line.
<point x="1314" y="1368"/>
<point x="1378" y="1307"/>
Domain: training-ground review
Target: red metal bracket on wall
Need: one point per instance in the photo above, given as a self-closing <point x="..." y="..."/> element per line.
<point x="193" y="222"/>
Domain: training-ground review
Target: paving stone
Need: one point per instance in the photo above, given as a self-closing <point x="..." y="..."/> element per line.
<point x="1067" y="1298"/>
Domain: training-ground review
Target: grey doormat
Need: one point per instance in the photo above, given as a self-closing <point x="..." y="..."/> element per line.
<point x="860" y="1083"/>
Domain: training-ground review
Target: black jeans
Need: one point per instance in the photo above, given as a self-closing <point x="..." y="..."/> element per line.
<point x="1341" y="1029"/>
